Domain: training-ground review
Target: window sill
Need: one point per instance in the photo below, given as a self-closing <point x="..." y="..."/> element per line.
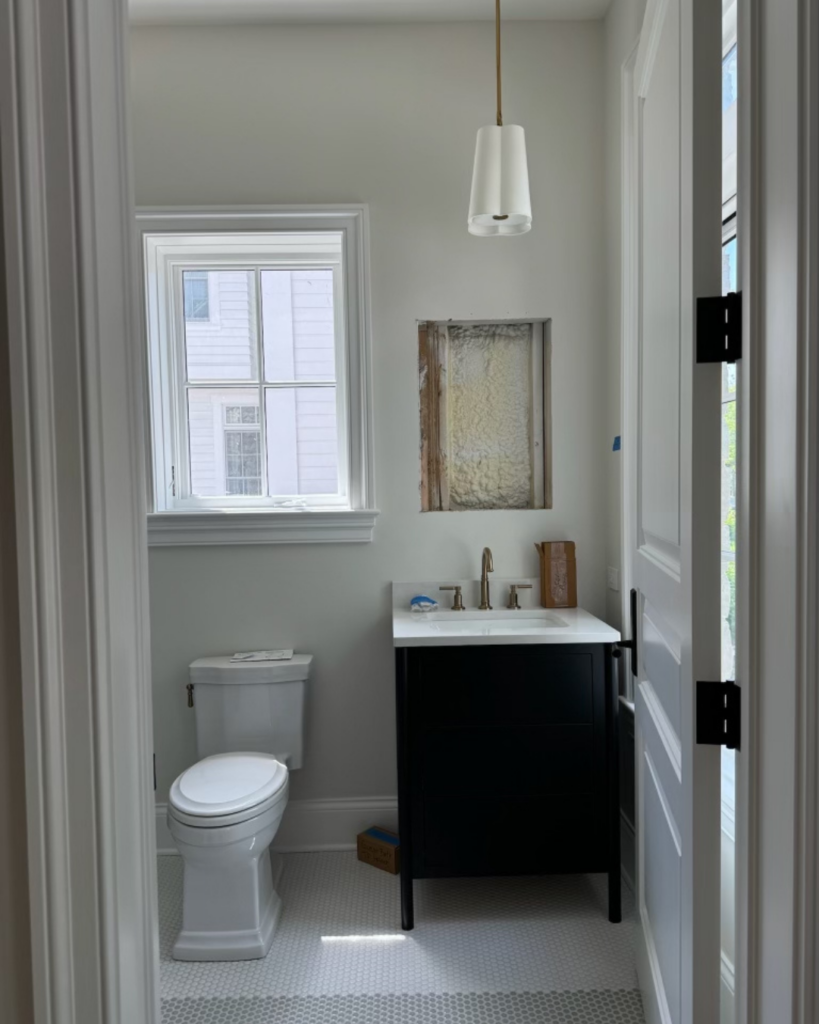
<point x="176" y="529"/>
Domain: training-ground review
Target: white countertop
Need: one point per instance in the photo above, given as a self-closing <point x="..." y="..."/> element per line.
<point x="531" y="624"/>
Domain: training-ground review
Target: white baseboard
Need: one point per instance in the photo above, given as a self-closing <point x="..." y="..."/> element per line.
<point x="164" y="842"/>
<point x="310" y="825"/>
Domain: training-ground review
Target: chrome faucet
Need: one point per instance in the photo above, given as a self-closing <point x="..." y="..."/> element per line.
<point x="486" y="567"/>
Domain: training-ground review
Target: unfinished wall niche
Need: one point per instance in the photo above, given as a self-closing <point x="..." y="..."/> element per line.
<point x="485" y="415"/>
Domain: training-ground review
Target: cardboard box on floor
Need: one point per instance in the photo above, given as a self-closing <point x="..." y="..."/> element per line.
<point x="380" y="848"/>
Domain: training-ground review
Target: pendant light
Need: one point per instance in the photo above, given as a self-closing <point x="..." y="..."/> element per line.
<point x="500" y="204"/>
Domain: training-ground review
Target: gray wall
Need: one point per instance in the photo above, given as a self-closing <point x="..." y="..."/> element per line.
<point x="386" y="116"/>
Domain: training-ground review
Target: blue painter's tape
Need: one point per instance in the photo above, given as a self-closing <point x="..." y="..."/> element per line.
<point x="616" y="446"/>
<point x="385" y="837"/>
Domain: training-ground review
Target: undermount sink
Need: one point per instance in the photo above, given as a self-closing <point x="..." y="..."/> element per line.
<point x="490" y="625"/>
<point x="499" y="626"/>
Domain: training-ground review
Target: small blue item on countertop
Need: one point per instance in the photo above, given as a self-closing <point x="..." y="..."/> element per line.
<point x="422" y="603"/>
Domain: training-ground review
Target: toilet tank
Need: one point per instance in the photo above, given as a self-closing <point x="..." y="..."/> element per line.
<point x="250" y="706"/>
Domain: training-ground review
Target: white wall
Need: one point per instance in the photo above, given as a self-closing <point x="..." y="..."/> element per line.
<point x="386" y="116"/>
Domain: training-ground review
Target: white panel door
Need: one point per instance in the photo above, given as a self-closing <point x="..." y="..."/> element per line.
<point x="672" y="481"/>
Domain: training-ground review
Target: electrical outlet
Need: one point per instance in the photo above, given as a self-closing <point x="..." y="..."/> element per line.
<point x="613" y="578"/>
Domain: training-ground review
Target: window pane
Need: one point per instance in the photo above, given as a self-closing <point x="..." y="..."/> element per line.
<point x="728" y="535"/>
<point x="729" y="285"/>
<point x="225" y="442"/>
<point x="729" y="125"/>
<point x="729" y="266"/>
<point x="302" y="441"/>
<point x="222" y="346"/>
<point x="298" y="325"/>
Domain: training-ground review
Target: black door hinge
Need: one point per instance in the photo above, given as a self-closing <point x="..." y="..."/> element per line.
<point x="719" y="328"/>
<point x="719" y="714"/>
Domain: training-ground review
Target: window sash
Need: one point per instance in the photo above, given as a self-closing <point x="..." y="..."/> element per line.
<point x="184" y="498"/>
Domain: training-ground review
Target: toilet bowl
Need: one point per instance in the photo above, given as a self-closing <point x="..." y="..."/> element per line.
<point x="223" y="814"/>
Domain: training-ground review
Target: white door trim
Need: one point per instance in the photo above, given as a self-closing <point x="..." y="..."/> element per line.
<point x="807" y="897"/>
<point x="777" y="772"/>
<point x="79" y="481"/>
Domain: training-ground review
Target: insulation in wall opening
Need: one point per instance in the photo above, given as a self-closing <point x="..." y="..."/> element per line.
<point x="485" y="415"/>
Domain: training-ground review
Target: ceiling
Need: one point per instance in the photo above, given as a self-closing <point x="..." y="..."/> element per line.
<point x="168" y="12"/>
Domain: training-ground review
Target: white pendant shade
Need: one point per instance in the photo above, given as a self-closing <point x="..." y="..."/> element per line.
<point x="500" y="203"/>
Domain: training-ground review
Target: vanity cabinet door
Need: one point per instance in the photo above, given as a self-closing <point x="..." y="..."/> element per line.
<point x="509" y="760"/>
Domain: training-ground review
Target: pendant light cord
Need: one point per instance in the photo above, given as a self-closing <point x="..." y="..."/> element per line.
<point x="498" y="57"/>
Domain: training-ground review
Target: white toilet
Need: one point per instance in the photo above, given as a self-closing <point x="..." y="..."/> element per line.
<point x="225" y="810"/>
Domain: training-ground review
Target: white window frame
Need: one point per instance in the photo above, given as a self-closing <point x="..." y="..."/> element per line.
<point x="194" y="237"/>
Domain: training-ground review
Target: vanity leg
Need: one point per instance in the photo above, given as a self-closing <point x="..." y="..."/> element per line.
<point x="613" y="744"/>
<point x="407" y="908"/>
<point x="404" y="788"/>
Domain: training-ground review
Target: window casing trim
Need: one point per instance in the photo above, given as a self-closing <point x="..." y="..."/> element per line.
<point x="167" y="237"/>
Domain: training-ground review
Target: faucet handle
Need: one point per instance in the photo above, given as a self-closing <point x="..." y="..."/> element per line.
<point x="457" y="601"/>
<point x="513" y="604"/>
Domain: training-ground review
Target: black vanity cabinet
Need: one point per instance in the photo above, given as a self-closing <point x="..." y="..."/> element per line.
<point x="507" y="763"/>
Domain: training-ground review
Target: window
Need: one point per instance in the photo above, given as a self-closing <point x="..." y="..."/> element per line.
<point x="197" y="299"/>
<point x="259" y="376"/>
<point x="243" y="450"/>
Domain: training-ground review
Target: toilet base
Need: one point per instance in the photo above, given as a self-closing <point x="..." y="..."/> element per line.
<point x="253" y="944"/>
<point x="216" y="903"/>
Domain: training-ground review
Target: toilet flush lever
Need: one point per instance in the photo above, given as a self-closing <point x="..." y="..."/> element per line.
<point x="514" y="604"/>
<point x="189" y="688"/>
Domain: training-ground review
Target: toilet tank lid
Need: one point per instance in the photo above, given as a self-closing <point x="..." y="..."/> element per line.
<point x="222" y="671"/>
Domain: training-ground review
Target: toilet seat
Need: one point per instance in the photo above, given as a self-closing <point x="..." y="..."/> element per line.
<point x="227" y="789"/>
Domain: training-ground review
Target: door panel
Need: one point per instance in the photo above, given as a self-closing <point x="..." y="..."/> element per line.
<point x="662" y="871"/>
<point x="661" y="664"/>
<point x="672" y="453"/>
<point x="659" y="465"/>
